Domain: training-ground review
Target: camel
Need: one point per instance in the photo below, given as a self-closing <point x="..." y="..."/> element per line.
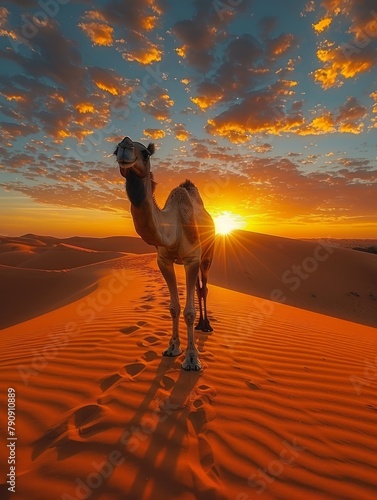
<point x="183" y="233"/>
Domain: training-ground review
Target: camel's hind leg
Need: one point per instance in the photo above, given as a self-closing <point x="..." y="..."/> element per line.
<point x="167" y="269"/>
<point x="202" y="292"/>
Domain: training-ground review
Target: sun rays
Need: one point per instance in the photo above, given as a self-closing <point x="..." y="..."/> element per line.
<point x="226" y="222"/>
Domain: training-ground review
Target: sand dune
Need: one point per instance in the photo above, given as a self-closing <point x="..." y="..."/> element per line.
<point x="285" y="407"/>
<point x="25" y="293"/>
<point x="63" y="256"/>
<point x="56" y="271"/>
<point x="316" y="276"/>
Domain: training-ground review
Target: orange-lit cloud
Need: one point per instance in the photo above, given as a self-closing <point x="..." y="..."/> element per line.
<point x="323" y="124"/>
<point x="97" y="29"/>
<point x="111" y="82"/>
<point x="347" y="119"/>
<point x="85" y="107"/>
<point x="265" y="112"/>
<point x="180" y="132"/>
<point x="260" y="112"/>
<point x="111" y="89"/>
<point x="279" y="45"/>
<point x="134" y="20"/>
<point x="342" y="61"/>
<point x="157" y="103"/>
<point x="354" y="56"/>
<point x="361" y="13"/>
<point x="322" y="25"/>
<point x="154" y="133"/>
<point x="373" y="95"/>
<point x="146" y="53"/>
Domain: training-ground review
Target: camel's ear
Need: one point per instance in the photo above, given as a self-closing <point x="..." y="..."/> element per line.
<point x="151" y="148"/>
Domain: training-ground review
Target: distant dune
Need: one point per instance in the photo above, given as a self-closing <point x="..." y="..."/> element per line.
<point x="285" y="407"/>
<point x="313" y="275"/>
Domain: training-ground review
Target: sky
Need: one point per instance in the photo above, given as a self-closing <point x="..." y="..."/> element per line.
<point x="270" y="108"/>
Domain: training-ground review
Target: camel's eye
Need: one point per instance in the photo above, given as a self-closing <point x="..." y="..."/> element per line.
<point x="145" y="154"/>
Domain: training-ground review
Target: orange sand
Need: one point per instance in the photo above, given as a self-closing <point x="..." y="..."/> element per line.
<point x="285" y="407"/>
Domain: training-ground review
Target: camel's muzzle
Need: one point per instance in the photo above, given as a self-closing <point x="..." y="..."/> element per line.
<point x="125" y="152"/>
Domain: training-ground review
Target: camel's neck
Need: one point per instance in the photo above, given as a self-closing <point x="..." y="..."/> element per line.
<point x="144" y="209"/>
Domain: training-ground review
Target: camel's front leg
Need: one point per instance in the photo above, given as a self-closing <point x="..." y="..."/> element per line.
<point x="167" y="269"/>
<point x="191" y="361"/>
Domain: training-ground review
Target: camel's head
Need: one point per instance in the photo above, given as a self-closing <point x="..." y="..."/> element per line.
<point x="133" y="157"/>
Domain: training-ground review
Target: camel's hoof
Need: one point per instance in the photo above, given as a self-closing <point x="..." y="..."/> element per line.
<point x="192" y="363"/>
<point x="172" y="351"/>
<point x="204" y="326"/>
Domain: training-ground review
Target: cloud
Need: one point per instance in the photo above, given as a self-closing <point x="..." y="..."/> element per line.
<point x="209" y="94"/>
<point x="180" y="132"/>
<point x="57" y="94"/>
<point x="135" y="23"/>
<point x="266" y="112"/>
<point x="97" y="29"/>
<point x="356" y="55"/>
<point x="259" y="112"/>
<point x="247" y="63"/>
<point x="157" y="103"/>
<point x="373" y="95"/>
<point x="272" y="190"/>
<point x="154" y="133"/>
<point x="143" y="50"/>
<point x="361" y="13"/>
<point x="343" y="62"/>
<point x="200" y="35"/>
<point x="278" y="46"/>
<point x="112" y="82"/>
<point x="322" y="25"/>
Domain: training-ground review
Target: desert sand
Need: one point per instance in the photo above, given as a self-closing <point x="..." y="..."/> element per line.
<point x="285" y="407"/>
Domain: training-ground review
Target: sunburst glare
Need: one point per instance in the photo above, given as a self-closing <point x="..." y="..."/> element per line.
<point x="226" y="222"/>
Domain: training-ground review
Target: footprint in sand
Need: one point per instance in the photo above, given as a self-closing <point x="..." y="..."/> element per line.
<point x="150" y="340"/>
<point x="84" y="421"/>
<point x="142" y="323"/>
<point x="167" y="382"/>
<point x="201" y="399"/>
<point x="109" y="381"/>
<point x="148" y="298"/>
<point x="79" y="425"/>
<point x="251" y="385"/>
<point x="129" y="372"/>
<point x="150" y="356"/>
<point x="200" y="415"/>
<point x="145" y="307"/>
<point x="129" y="329"/>
<point x="134" y="369"/>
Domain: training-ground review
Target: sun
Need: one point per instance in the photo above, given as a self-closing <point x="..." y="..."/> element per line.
<point x="226" y="222"/>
